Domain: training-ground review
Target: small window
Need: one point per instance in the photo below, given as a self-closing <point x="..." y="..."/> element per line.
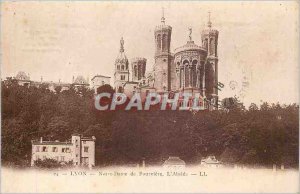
<point x="76" y="155"/>
<point x="56" y="158"/>
<point x="54" y="149"/>
<point x="84" y="142"/>
<point x="45" y="149"/>
<point x="37" y="148"/>
<point x="62" y="158"/>
<point x="63" y="150"/>
<point x="86" y="149"/>
<point x="68" y="150"/>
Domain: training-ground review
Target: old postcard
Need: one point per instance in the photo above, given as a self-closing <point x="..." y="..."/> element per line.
<point x="149" y="96"/>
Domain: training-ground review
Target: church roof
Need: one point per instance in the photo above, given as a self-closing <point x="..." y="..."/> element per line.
<point x="190" y="45"/>
<point x="80" y="80"/>
<point x="122" y="57"/>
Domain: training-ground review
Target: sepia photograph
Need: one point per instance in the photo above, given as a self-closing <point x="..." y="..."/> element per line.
<point x="149" y="96"/>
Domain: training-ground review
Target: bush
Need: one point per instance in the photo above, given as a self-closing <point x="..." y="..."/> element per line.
<point x="51" y="163"/>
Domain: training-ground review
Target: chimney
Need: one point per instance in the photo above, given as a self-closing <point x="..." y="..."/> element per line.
<point x="41" y="140"/>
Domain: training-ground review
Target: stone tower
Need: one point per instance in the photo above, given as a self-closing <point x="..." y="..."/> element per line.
<point x="163" y="57"/>
<point x="138" y="66"/>
<point x="121" y="75"/>
<point x="210" y="43"/>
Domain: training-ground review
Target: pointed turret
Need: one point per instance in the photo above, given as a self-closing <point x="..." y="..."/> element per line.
<point x="121" y="69"/>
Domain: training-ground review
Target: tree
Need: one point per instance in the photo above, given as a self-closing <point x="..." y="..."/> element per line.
<point x="50" y="163"/>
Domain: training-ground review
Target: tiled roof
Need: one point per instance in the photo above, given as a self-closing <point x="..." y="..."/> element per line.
<point x="174" y="161"/>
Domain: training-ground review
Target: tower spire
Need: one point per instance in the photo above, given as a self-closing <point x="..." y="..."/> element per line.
<point x="163" y="19"/>
<point x="122" y="45"/>
<point x="209" y="22"/>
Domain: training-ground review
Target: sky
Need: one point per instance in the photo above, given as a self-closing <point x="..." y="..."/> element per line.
<point x="258" y="43"/>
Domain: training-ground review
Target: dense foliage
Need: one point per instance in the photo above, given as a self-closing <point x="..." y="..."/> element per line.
<point x="262" y="135"/>
<point x="49" y="163"/>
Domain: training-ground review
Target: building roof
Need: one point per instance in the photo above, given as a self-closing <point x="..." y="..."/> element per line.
<point x="210" y="160"/>
<point x="22" y="76"/>
<point x="122" y="57"/>
<point x="190" y="45"/>
<point x="42" y="142"/>
<point x="131" y="83"/>
<point x="80" y="80"/>
<point x="37" y="142"/>
<point x="100" y="76"/>
<point x="174" y="161"/>
<point x="162" y="27"/>
<point x="138" y="59"/>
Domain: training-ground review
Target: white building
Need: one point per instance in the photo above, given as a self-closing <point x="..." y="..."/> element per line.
<point x="211" y="161"/>
<point x="23" y="79"/>
<point x="80" y="150"/>
<point x="174" y="163"/>
<point x="99" y="80"/>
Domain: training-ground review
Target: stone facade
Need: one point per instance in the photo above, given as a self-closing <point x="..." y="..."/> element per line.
<point x="80" y="150"/>
<point x="98" y="81"/>
<point x="138" y="66"/>
<point x="191" y="68"/>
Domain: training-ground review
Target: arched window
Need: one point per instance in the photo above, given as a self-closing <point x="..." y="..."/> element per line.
<point x="118" y="67"/>
<point x="159" y="41"/>
<point x="194" y="62"/>
<point x="205" y="43"/>
<point x="135" y="70"/>
<point x="181" y="78"/>
<point x="185" y="62"/>
<point x="211" y="45"/>
<point x="194" y="75"/>
<point x="122" y="67"/>
<point x="164" y="42"/>
<point x="186" y="73"/>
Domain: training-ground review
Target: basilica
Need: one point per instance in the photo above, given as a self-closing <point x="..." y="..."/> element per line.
<point x="189" y="68"/>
